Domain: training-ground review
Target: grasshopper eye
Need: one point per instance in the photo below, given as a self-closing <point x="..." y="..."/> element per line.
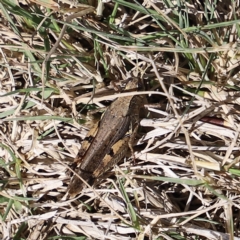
<point x="140" y="85"/>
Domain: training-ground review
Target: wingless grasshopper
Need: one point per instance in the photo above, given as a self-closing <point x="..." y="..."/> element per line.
<point x="108" y="141"/>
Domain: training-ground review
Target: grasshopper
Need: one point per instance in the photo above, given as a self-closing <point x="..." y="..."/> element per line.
<point x="108" y="141"/>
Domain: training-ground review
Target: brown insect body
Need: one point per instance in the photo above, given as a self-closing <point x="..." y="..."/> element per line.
<point x="107" y="142"/>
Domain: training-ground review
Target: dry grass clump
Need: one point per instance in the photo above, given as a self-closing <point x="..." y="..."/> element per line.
<point x="184" y="182"/>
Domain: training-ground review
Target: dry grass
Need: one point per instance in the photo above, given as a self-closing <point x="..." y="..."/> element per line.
<point x="185" y="180"/>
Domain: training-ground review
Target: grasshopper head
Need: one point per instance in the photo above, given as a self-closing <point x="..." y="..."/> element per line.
<point x="134" y="84"/>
